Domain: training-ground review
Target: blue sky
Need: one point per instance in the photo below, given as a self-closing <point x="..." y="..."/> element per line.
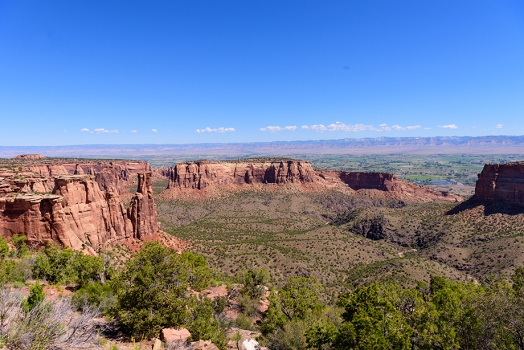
<point x="84" y="72"/>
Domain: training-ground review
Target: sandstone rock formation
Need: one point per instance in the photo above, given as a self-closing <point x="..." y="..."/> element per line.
<point x="83" y="208"/>
<point x="29" y="156"/>
<point x="199" y="175"/>
<point x="504" y="182"/>
<point x="389" y="183"/>
<point x="142" y="210"/>
<point x="205" y="175"/>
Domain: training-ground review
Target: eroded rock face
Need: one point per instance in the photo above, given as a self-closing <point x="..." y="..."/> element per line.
<point x="82" y="211"/>
<point x="34" y="175"/>
<point x="501" y="182"/>
<point x="191" y="176"/>
<point x="199" y="175"/>
<point x="369" y="180"/>
<point x="142" y="211"/>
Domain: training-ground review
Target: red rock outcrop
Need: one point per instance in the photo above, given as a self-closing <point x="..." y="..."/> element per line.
<point x="389" y="183"/>
<point x="190" y="176"/>
<point x="199" y="175"/>
<point x="29" y="156"/>
<point x="142" y="210"/>
<point x="39" y="174"/>
<point x="83" y="210"/>
<point x="501" y="182"/>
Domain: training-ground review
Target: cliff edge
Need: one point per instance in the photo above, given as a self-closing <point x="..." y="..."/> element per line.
<point x="501" y="182"/>
<point x="84" y="209"/>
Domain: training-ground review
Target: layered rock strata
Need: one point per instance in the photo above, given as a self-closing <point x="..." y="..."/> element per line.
<point x="83" y="210"/>
<point x="199" y="175"/>
<point x="501" y="182"/>
<point x="389" y="183"/>
<point x="37" y="175"/>
<point x="190" y="176"/>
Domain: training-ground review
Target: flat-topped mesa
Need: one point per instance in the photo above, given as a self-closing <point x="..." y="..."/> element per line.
<point x="501" y="182"/>
<point x="29" y="156"/>
<point x="190" y="176"/>
<point x="199" y="175"/>
<point x="80" y="213"/>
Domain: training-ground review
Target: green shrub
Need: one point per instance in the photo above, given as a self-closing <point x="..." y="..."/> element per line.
<point x="244" y="322"/>
<point x="254" y="281"/>
<point x="94" y="295"/>
<point x="15" y="270"/>
<point x="4" y="248"/>
<point x="151" y="292"/>
<point x="62" y="265"/>
<point x="35" y="298"/>
<point x="199" y="275"/>
<point x="19" y="241"/>
<point x="203" y="325"/>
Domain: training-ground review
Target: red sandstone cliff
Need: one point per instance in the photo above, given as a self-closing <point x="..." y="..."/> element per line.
<point x="83" y="210"/>
<point x="389" y="183"/>
<point x="199" y="175"/>
<point x="501" y="182"/>
<point x="190" y="176"/>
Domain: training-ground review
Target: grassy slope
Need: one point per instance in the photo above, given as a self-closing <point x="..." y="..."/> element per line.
<point x="288" y="234"/>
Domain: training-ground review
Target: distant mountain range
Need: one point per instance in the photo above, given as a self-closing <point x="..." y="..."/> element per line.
<point x="379" y="145"/>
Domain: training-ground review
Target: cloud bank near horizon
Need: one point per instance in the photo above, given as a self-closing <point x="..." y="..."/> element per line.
<point x="217" y="130"/>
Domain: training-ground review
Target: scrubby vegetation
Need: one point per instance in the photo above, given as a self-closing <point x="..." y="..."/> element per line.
<point x="307" y="270"/>
<point x="153" y="289"/>
<point x="157" y="288"/>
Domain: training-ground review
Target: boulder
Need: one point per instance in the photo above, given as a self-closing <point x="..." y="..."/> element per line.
<point x="171" y="335"/>
<point x="203" y="345"/>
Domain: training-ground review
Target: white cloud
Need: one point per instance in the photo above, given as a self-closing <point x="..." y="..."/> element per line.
<point x="133" y="131"/>
<point x="338" y="126"/>
<point x="385" y="127"/>
<point x="278" y="128"/>
<point x="65" y="130"/>
<point x="104" y="131"/>
<point x="448" y="126"/>
<point x="499" y="126"/>
<point x="315" y="127"/>
<point x="99" y="131"/>
<point x="154" y="130"/>
<point x="427" y="128"/>
<point x="219" y="130"/>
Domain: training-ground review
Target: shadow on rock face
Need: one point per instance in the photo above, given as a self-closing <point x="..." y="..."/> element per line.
<point x="495" y="207"/>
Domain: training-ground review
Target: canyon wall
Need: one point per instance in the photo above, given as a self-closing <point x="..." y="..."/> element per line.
<point x="119" y="173"/>
<point x="83" y="209"/>
<point x="503" y="182"/>
<point x="186" y="177"/>
<point x="199" y="175"/>
<point x="369" y="180"/>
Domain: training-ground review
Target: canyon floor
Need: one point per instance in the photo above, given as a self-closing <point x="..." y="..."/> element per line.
<point x="345" y="240"/>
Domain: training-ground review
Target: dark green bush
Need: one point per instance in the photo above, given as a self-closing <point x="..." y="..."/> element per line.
<point x="35" y="298"/>
<point x="19" y="241"/>
<point x="62" y="265"/>
<point x="95" y="295"/>
<point x="4" y="248"/>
